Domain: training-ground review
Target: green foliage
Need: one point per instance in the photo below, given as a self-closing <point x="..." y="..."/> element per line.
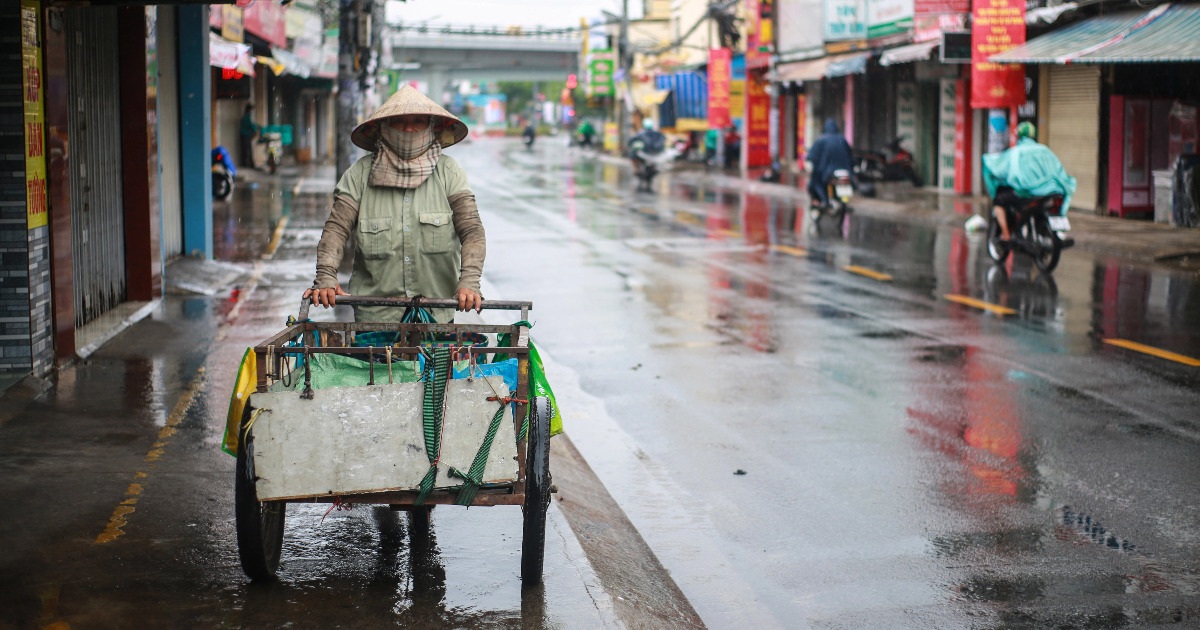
<point x="521" y="97"/>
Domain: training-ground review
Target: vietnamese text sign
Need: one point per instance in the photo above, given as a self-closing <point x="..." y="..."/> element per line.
<point x="947" y="132"/>
<point x="927" y="7"/>
<point x="889" y="17"/>
<point x="35" y="119"/>
<point x="996" y="26"/>
<point x="758" y="121"/>
<point x="719" y="62"/>
<point x="600" y="73"/>
<point x="845" y="19"/>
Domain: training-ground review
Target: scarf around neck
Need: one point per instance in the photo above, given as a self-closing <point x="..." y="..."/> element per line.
<point x="404" y="159"/>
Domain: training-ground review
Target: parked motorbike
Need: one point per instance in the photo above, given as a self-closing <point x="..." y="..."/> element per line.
<point x="223" y="171"/>
<point x="1038" y="230"/>
<point x="892" y="163"/>
<point x="838" y="189"/>
<point x="274" y="142"/>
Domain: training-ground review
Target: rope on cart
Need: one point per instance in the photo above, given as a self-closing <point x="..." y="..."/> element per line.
<point x="437" y="373"/>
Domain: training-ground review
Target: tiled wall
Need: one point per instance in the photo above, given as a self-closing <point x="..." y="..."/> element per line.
<point x="25" y="331"/>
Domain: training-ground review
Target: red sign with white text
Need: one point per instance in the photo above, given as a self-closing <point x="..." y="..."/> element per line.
<point x="719" y="71"/>
<point x="996" y="26"/>
<point x="758" y="121"/>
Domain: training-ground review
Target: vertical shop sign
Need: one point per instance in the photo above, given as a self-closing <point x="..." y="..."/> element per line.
<point x="719" y="69"/>
<point x="962" y="137"/>
<point x="35" y="118"/>
<point x="947" y="133"/>
<point x="600" y="72"/>
<point x="758" y="121"/>
<point x="996" y="26"/>
<point x="801" y="123"/>
<point x="906" y="112"/>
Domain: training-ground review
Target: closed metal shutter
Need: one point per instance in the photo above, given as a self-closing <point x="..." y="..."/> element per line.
<point x="168" y="133"/>
<point x="1074" y="128"/>
<point x="94" y="125"/>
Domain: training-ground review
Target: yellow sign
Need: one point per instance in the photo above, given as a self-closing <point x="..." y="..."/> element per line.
<point x="612" y="141"/>
<point x="231" y="23"/>
<point x="737" y="98"/>
<point x="35" y="118"/>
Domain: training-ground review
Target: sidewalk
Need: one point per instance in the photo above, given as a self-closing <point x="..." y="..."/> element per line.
<point x="1142" y="241"/>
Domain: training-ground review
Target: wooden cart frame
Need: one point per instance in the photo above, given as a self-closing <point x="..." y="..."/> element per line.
<point x="260" y="523"/>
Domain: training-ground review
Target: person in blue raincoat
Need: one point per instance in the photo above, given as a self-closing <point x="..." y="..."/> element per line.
<point x="829" y="153"/>
<point x="1023" y="171"/>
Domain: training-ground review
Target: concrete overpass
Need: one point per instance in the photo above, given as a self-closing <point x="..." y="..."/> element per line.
<point x="440" y="55"/>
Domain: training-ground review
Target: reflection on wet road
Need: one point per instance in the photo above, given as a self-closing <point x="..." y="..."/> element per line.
<point x="927" y="439"/>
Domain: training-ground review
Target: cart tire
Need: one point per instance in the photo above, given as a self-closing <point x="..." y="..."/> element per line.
<point x="259" y="524"/>
<point x="537" y="492"/>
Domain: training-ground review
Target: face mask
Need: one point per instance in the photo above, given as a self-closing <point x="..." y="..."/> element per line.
<point x="407" y="144"/>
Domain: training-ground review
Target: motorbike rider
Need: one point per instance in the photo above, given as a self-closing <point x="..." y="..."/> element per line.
<point x="829" y="153"/>
<point x="649" y="141"/>
<point x="529" y="134"/>
<point x="1025" y="170"/>
<point x="586" y="133"/>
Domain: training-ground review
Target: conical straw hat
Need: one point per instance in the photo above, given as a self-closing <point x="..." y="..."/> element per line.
<point x="407" y="100"/>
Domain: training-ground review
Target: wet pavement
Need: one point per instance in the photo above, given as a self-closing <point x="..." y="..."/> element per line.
<point x="769" y="424"/>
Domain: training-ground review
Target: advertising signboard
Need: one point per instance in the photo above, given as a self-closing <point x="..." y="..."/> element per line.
<point x="996" y="26"/>
<point x="888" y="17"/>
<point x="600" y="72"/>
<point x="719" y="71"/>
<point x="758" y="121"/>
<point x="35" y="120"/>
<point x="845" y="20"/>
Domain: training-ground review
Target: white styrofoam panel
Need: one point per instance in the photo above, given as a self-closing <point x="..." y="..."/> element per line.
<point x="352" y="440"/>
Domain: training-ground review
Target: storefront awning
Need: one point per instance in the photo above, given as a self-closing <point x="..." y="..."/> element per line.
<point x="1166" y="33"/>
<point x="815" y="69"/>
<point x="907" y="54"/>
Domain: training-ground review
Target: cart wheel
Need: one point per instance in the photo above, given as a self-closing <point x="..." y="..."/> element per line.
<point x="259" y="524"/>
<point x="537" y="492"/>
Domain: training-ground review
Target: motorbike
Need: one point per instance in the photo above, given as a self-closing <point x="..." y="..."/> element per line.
<point x="839" y="188"/>
<point x="274" y="142"/>
<point x="223" y="171"/>
<point x="649" y="165"/>
<point x="892" y="163"/>
<point x="1038" y="230"/>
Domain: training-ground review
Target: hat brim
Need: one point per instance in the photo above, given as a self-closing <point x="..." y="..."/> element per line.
<point x="448" y="131"/>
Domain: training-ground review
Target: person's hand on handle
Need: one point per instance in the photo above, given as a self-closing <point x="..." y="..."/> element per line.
<point x="327" y="297"/>
<point x="469" y="300"/>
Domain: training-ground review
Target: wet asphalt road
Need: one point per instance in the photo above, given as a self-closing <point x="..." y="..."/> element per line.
<point x="906" y="461"/>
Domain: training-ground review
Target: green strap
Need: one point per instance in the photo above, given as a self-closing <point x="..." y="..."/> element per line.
<point x="474" y="477"/>
<point x="437" y="372"/>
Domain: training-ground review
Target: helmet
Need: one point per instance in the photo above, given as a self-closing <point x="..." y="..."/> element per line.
<point x="1026" y="130"/>
<point x="648" y="124"/>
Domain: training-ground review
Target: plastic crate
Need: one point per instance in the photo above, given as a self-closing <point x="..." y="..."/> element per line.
<point x="284" y="131"/>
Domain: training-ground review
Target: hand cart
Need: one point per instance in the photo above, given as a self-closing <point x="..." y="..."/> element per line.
<point x="410" y="443"/>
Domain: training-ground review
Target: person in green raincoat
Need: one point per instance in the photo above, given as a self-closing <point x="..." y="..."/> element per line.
<point x="416" y="227"/>
<point x="1023" y="171"/>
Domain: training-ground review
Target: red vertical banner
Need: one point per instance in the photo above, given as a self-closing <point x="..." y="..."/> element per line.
<point x="719" y="75"/>
<point x="962" y="138"/>
<point x="758" y="120"/>
<point x="996" y="26"/>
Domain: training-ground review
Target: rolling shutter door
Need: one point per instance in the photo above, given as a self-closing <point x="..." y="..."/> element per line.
<point x="1074" y="128"/>
<point x="94" y="125"/>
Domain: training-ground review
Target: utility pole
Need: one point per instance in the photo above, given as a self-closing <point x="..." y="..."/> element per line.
<point x="625" y="59"/>
<point x="349" y="100"/>
<point x="360" y="27"/>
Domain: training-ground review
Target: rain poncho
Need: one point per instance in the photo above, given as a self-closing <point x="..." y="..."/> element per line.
<point x="829" y="153"/>
<point x="1030" y="169"/>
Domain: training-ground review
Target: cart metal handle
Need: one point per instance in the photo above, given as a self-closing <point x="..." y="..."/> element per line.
<point x="405" y="302"/>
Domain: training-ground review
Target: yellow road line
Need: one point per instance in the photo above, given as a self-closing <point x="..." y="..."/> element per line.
<point x="275" y="238"/>
<point x="128" y="505"/>
<point x="788" y="249"/>
<point x="1154" y="352"/>
<point x="729" y="233"/>
<point x="980" y="304"/>
<point x="870" y="273"/>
